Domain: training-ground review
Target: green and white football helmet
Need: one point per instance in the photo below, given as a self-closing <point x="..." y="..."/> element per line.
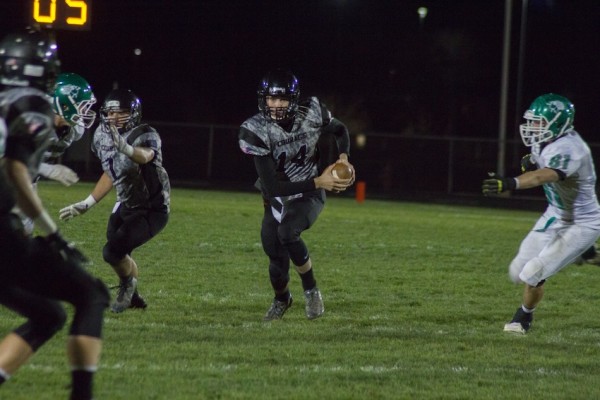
<point x="548" y="117"/>
<point x="73" y="100"/>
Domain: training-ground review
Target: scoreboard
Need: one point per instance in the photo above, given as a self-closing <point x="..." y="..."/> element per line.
<point x="61" y="14"/>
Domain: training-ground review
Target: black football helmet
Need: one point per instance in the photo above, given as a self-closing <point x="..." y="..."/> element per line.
<point x="29" y="59"/>
<point x="122" y="100"/>
<point x="280" y="83"/>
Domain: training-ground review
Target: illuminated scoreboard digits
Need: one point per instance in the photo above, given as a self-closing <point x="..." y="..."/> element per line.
<point x="62" y="14"/>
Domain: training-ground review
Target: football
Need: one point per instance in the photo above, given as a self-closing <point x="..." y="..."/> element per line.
<point x="341" y="171"/>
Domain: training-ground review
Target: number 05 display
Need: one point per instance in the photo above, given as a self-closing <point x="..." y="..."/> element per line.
<point x="62" y="14"/>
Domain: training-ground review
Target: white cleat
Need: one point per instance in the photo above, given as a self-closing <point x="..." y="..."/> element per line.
<point x="515" y="327"/>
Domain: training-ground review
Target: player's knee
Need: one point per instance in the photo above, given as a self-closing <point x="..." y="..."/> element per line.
<point x="298" y="252"/>
<point x="39" y="330"/>
<point x="288" y="234"/>
<point x="514" y="270"/>
<point x="532" y="272"/>
<point x="112" y="254"/>
<point x="89" y="312"/>
<point x="99" y="293"/>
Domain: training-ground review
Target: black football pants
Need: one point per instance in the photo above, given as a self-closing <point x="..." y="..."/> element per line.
<point x="281" y="240"/>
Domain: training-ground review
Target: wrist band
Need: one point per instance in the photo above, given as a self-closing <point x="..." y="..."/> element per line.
<point x="90" y="201"/>
<point x="517" y="185"/>
<point x="128" y="151"/>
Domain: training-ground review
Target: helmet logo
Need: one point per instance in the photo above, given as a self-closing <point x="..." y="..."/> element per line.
<point x="113" y="103"/>
<point x="275" y="90"/>
<point x="70" y="90"/>
<point x="556" y="106"/>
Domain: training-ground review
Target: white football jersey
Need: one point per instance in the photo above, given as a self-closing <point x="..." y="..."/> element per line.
<point x="572" y="199"/>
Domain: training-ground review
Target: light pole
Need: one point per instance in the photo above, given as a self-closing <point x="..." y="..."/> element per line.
<point x="500" y="164"/>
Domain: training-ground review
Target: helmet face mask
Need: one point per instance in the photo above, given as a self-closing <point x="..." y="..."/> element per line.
<point x="73" y="100"/>
<point x="29" y="59"/>
<point x="122" y="109"/>
<point x="279" y="84"/>
<point x="548" y="117"/>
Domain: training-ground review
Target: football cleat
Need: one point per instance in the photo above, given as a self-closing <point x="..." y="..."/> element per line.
<point x="590" y="256"/>
<point x="277" y="309"/>
<point x="520" y="323"/>
<point x="314" y="303"/>
<point x="138" y="301"/>
<point x="125" y="293"/>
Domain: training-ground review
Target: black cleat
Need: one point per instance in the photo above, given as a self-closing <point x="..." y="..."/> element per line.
<point x="520" y="323"/>
<point x="138" y="301"/>
<point x="277" y="309"/>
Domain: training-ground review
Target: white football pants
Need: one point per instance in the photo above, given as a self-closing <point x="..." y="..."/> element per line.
<point x="548" y="248"/>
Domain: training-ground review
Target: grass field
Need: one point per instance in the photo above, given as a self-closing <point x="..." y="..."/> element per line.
<point x="416" y="296"/>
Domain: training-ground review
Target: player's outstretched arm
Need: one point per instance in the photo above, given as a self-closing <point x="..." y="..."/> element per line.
<point x="59" y="173"/>
<point x="102" y="188"/>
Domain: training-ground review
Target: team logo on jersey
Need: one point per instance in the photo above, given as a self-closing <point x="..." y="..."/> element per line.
<point x="292" y="139"/>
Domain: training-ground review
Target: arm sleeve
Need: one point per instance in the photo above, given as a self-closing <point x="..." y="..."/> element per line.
<point x="341" y="135"/>
<point x="561" y="175"/>
<point x="272" y="183"/>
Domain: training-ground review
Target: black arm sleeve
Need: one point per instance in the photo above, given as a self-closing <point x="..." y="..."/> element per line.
<point x="561" y="175"/>
<point x="273" y="185"/>
<point x="341" y="135"/>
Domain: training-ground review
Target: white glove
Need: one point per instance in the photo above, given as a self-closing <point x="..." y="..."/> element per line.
<point x="77" y="209"/>
<point x="120" y="142"/>
<point x="60" y="173"/>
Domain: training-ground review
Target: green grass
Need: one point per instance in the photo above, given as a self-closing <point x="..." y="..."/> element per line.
<point x="415" y="295"/>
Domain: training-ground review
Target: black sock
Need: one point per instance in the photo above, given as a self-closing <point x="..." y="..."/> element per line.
<point x="82" y="385"/>
<point x="308" y="280"/>
<point x="283" y="296"/>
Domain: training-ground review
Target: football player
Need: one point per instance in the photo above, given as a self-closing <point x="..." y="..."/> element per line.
<point x="591" y="255"/>
<point x="72" y="99"/>
<point x="39" y="273"/>
<point x="131" y="156"/>
<point x="283" y="142"/>
<point x="570" y="224"/>
<point x="72" y="102"/>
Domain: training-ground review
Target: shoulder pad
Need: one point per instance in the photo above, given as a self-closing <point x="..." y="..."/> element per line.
<point x="139" y="131"/>
<point x="253" y="138"/>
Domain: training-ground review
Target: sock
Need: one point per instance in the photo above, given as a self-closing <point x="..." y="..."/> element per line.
<point x="527" y="310"/>
<point x="308" y="280"/>
<point x="284" y="296"/>
<point x="82" y="384"/>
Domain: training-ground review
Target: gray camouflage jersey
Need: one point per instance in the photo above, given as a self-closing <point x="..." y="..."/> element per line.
<point x="26" y="126"/>
<point x="295" y="152"/>
<point x="138" y="186"/>
<point x="572" y="199"/>
<point x="26" y="117"/>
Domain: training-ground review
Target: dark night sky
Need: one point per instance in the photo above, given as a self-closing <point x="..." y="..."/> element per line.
<point x="371" y="60"/>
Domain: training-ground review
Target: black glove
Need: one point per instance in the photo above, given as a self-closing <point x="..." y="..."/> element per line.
<point x="527" y="164"/>
<point x="497" y="184"/>
<point x="64" y="249"/>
